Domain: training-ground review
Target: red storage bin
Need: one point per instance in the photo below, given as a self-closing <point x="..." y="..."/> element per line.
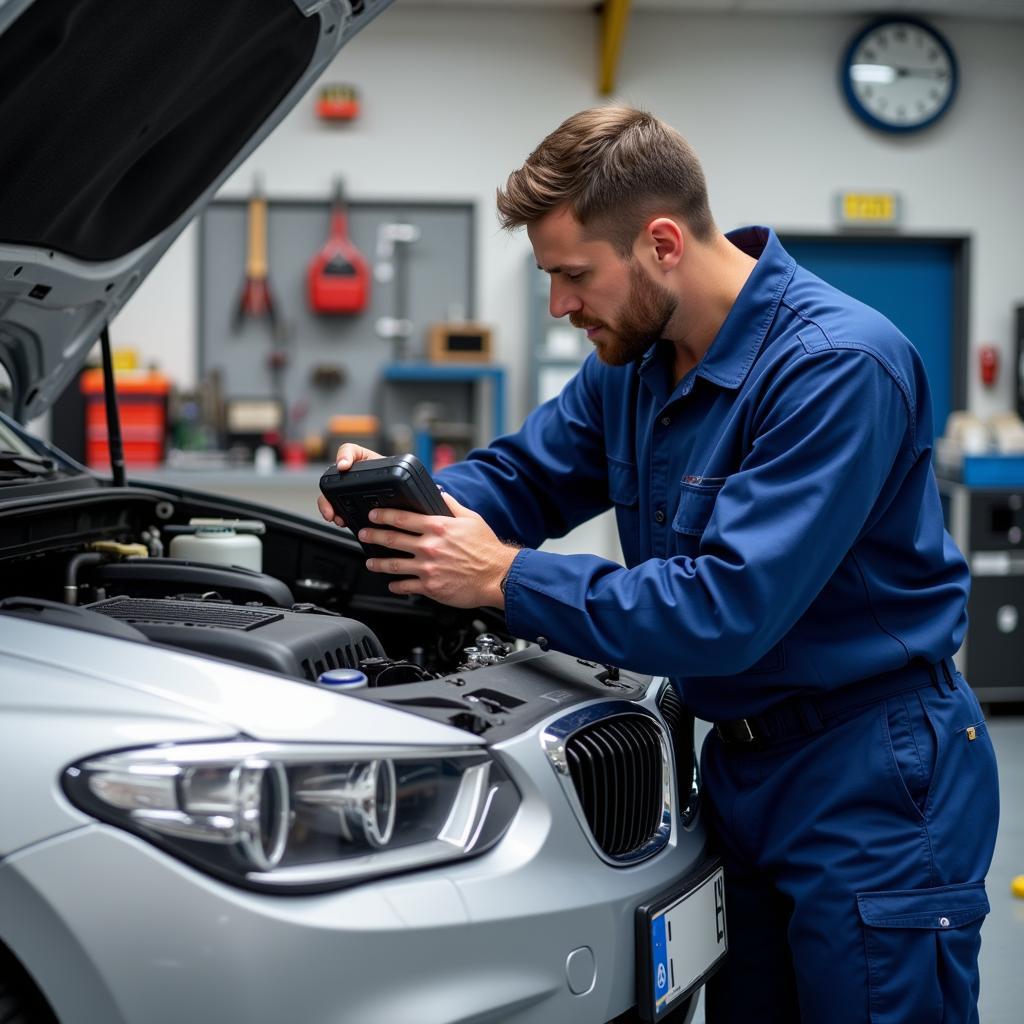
<point x="142" y="400"/>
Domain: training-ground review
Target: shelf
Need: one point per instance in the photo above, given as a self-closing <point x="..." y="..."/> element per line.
<point x="433" y="373"/>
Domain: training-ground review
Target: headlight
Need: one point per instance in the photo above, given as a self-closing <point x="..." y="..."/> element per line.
<point x="300" y="818"/>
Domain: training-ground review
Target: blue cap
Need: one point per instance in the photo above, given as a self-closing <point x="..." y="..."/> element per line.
<point x="342" y="678"/>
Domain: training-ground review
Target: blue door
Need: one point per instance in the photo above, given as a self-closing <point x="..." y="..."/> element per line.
<point x="917" y="285"/>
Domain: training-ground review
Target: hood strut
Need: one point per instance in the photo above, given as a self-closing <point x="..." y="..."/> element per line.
<point x="113" y="416"/>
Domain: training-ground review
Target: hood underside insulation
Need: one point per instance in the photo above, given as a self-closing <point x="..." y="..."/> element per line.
<point x="117" y="114"/>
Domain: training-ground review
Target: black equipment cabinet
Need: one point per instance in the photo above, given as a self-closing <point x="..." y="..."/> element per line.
<point x="988" y="525"/>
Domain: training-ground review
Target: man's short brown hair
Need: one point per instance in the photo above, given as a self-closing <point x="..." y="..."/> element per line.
<point x="617" y="168"/>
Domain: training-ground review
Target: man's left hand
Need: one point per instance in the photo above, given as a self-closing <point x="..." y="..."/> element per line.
<point x="457" y="561"/>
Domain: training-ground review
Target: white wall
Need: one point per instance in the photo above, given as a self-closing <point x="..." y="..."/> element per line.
<point x="454" y="100"/>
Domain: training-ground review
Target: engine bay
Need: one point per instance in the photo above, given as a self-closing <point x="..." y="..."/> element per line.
<point x="302" y="605"/>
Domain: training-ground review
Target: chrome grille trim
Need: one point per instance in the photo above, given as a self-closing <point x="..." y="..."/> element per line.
<point x="613" y="762"/>
<point x="680" y="728"/>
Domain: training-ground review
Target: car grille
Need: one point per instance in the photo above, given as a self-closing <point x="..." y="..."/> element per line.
<point x="617" y="770"/>
<point x="680" y="729"/>
<point x="671" y="708"/>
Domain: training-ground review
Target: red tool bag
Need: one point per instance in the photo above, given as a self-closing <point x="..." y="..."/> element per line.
<point x="339" y="278"/>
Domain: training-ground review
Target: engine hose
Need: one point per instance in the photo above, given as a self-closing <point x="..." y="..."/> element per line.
<point x="71" y="576"/>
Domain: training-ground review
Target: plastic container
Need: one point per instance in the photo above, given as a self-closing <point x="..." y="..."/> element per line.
<point x="342" y="679"/>
<point x="219" y="545"/>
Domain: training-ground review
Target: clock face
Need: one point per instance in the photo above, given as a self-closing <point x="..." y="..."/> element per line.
<point x="899" y="75"/>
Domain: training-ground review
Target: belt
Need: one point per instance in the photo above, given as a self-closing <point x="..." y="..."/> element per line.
<point x="803" y="716"/>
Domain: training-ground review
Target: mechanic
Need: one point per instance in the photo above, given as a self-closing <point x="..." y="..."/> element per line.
<point x="766" y="443"/>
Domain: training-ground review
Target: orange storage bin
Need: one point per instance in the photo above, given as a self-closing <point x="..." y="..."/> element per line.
<point x="142" y="400"/>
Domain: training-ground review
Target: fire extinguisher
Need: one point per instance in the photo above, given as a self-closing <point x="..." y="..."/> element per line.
<point x="988" y="364"/>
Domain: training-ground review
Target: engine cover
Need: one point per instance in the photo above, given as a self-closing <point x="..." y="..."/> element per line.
<point x="295" y="643"/>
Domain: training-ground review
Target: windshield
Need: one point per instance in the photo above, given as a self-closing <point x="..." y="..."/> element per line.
<point x="39" y="458"/>
<point x="10" y="441"/>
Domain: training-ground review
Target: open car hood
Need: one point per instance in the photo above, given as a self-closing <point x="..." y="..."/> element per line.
<point x="119" y="121"/>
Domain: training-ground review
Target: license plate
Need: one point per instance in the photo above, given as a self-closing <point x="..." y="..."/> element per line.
<point x="681" y="940"/>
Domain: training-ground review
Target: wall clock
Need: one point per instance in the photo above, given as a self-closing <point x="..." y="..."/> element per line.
<point x="899" y="74"/>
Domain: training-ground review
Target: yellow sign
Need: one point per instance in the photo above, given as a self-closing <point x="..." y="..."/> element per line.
<point x="874" y="208"/>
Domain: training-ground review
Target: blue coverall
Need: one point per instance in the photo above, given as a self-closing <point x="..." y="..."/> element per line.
<point x="784" y="543"/>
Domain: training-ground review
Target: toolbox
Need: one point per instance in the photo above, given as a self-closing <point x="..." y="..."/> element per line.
<point x="142" y="398"/>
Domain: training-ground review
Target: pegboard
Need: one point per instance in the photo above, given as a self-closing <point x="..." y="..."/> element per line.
<point x="439" y="273"/>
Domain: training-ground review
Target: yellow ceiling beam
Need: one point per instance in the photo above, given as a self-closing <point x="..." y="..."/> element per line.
<point x="614" y="17"/>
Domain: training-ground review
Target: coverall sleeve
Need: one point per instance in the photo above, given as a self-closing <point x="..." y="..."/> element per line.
<point x="546" y="478"/>
<point x="827" y="434"/>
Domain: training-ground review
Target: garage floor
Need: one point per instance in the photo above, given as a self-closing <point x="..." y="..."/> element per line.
<point x="1002" y="950"/>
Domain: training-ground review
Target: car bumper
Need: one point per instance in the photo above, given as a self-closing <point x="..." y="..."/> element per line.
<point x="115" y="930"/>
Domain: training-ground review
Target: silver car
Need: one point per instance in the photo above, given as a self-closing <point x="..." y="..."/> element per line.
<point x="200" y="819"/>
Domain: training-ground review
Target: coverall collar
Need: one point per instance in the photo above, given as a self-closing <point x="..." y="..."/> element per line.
<point x="730" y="356"/>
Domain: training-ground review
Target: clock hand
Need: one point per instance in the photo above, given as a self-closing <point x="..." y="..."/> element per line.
<point x="936" y="73"/>
<point x="886" y="74"/>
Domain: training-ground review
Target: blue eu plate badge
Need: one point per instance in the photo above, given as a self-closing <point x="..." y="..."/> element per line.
<point x="681" y="940"/>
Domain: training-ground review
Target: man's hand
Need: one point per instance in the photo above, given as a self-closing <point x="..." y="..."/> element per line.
<point x="348" y="455"/>
<point x="457" y="561"/>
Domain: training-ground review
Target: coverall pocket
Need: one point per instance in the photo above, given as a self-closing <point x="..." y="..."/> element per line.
<point x="922" y="953"/>
<point x="914" y="746"/>
<point x="696" y="503"/>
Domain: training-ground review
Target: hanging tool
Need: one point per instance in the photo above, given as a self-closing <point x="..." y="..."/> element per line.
<point x="339" y="278"/>
<point x="256" y="301"/>
<point x="393" y="240"/>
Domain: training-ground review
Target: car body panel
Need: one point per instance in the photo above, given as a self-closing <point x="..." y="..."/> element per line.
<point x="68" y="695"/>
<point x="484" y="940"/>
<point x="262" y="705"/>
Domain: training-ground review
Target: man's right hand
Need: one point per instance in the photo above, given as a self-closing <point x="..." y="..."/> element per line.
<point x="348" y="455"/>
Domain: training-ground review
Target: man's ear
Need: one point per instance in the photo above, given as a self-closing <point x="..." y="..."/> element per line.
<point x="666" y="238"/>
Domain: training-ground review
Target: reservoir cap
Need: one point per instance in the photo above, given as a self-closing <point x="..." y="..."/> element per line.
<point x="342" y="679"/>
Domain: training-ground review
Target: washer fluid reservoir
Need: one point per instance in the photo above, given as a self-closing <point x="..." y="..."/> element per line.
<point x="224" y="543"/>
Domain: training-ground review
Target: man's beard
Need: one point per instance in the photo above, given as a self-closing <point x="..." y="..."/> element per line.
<point x="644" y="317"/>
